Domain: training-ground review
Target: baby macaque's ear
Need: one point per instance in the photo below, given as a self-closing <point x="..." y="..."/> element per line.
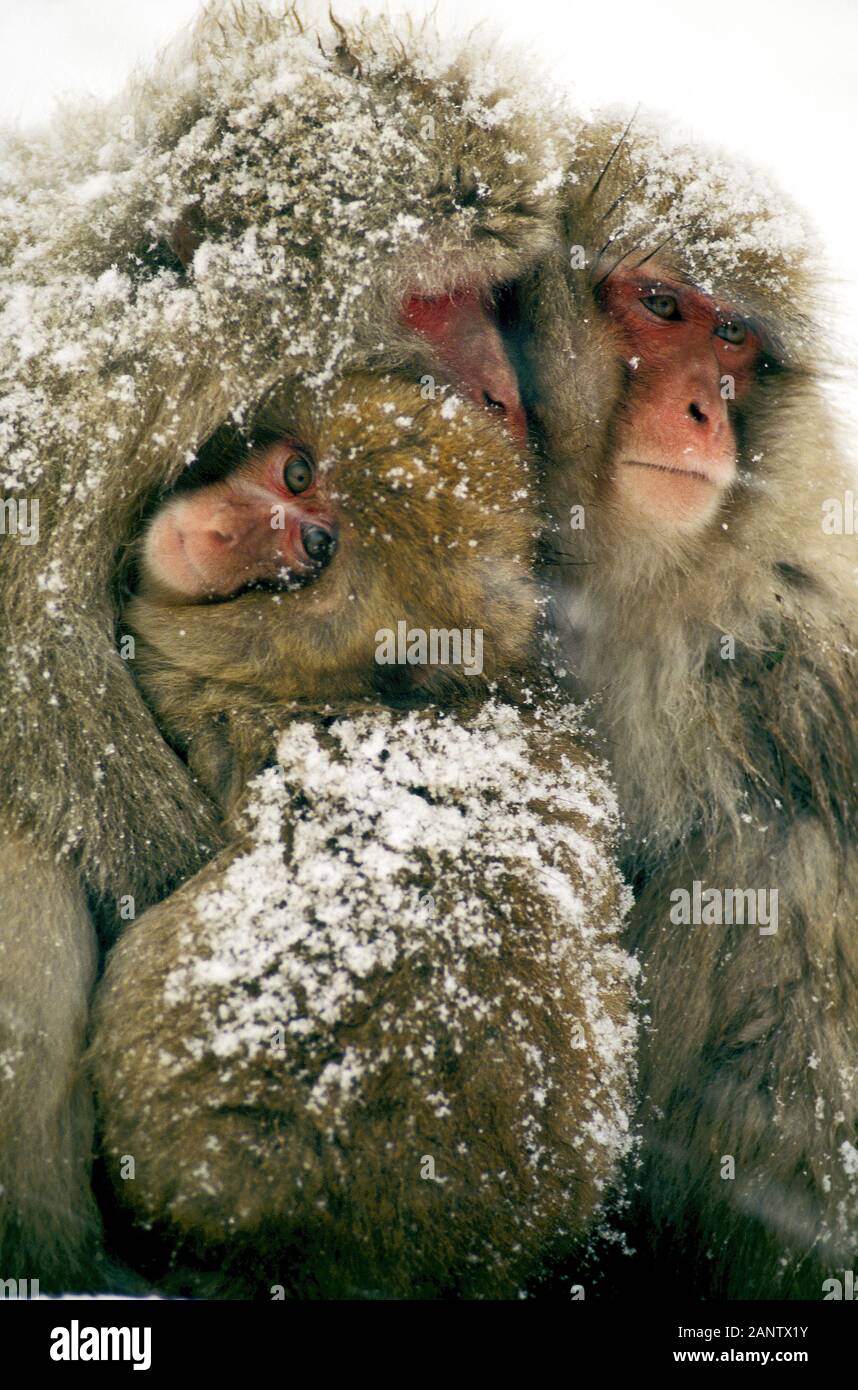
<point x="463" y="332"/>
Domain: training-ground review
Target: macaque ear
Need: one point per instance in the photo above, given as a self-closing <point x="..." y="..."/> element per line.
<point x="463" y="331"/>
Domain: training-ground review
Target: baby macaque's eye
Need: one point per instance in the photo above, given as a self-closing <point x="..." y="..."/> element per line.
<point x="298" y="474"/>
<point x="319" y="544"/>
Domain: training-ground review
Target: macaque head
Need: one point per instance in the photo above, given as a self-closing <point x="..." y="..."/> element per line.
<point x="314" y="558"/>
<point x="688" y="358"/>
<point x="653" y="404"/>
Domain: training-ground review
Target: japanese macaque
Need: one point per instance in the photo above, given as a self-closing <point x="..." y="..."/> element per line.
<point x="335" y="522"/>
<point x="704" y="601"/>
<point x="261" y="206"/>
<point x="311" y="1083"/>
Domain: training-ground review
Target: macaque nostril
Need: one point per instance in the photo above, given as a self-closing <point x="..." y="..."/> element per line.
<point x="697" y="414"/>
<point x="319" y="544"/>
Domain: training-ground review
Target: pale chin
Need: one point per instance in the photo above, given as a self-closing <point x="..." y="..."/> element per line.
<point x="681" y="499"/>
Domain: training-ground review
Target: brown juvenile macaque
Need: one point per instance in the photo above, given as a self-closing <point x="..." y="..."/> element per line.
<point x="321" y="549"/>
<point x="674" y="361"/>
<point x="326" y="1088"/>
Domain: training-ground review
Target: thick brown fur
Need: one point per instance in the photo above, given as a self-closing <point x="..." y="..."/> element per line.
<point x="733" y="772"/>
<point x="493" y="1040"/>
<point x="255" y="208"/>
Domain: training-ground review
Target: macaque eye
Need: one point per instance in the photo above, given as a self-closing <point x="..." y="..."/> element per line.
<point x="664" y="306"/>
<point x="732" y="332"/>
<point x="298" y="474"/>
<point x="319" y="544"/>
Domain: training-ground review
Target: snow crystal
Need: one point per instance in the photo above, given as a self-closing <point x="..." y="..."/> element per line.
<point x="849" y="1155"/>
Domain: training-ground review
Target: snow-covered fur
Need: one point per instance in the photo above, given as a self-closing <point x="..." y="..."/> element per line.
<point x="251" y="209"/>
<point x="383" y="1046"/>
<point x="251" y="213"/>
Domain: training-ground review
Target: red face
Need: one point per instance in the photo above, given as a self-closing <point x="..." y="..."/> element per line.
<point x="688" y="358"/>
<point x="268" y="522"/>
<point x="467" y="343"/>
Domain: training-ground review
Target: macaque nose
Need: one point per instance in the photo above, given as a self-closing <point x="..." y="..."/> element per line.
<point x="319" y="544"/>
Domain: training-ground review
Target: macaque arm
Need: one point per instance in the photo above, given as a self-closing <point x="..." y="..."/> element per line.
<point x="49" y="1228"/>
<point x="421" y="1062"/>
<point x="763" y="1070"/>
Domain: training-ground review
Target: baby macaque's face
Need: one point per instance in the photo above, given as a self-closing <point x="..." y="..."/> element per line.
<point x="347" y="517"/>
<point x="267" y="522"/>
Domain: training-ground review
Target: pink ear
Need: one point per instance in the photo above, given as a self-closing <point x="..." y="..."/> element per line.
<point x="468" y="344"/>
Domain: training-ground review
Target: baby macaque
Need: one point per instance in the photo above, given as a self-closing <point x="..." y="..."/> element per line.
<point x="281" y="572"/>
<point x="382" y="1045"/>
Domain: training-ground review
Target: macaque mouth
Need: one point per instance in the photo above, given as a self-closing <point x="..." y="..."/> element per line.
<point x="286" y="581"/>
<point x="666" y="468"/>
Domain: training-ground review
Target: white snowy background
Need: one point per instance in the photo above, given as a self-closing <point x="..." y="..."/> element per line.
<point x="774" y="80"/>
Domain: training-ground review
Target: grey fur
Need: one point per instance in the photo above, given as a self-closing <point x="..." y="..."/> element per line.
<point x="737" y="772"/>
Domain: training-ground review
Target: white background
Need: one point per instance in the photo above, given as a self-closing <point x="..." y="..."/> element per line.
<point x="775" y="80"/>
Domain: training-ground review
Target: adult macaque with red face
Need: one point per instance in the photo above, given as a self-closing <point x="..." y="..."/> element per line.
<point x="673" y="379"/>
<point x="262" y="204"/>
<point x="687" y="357"/>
